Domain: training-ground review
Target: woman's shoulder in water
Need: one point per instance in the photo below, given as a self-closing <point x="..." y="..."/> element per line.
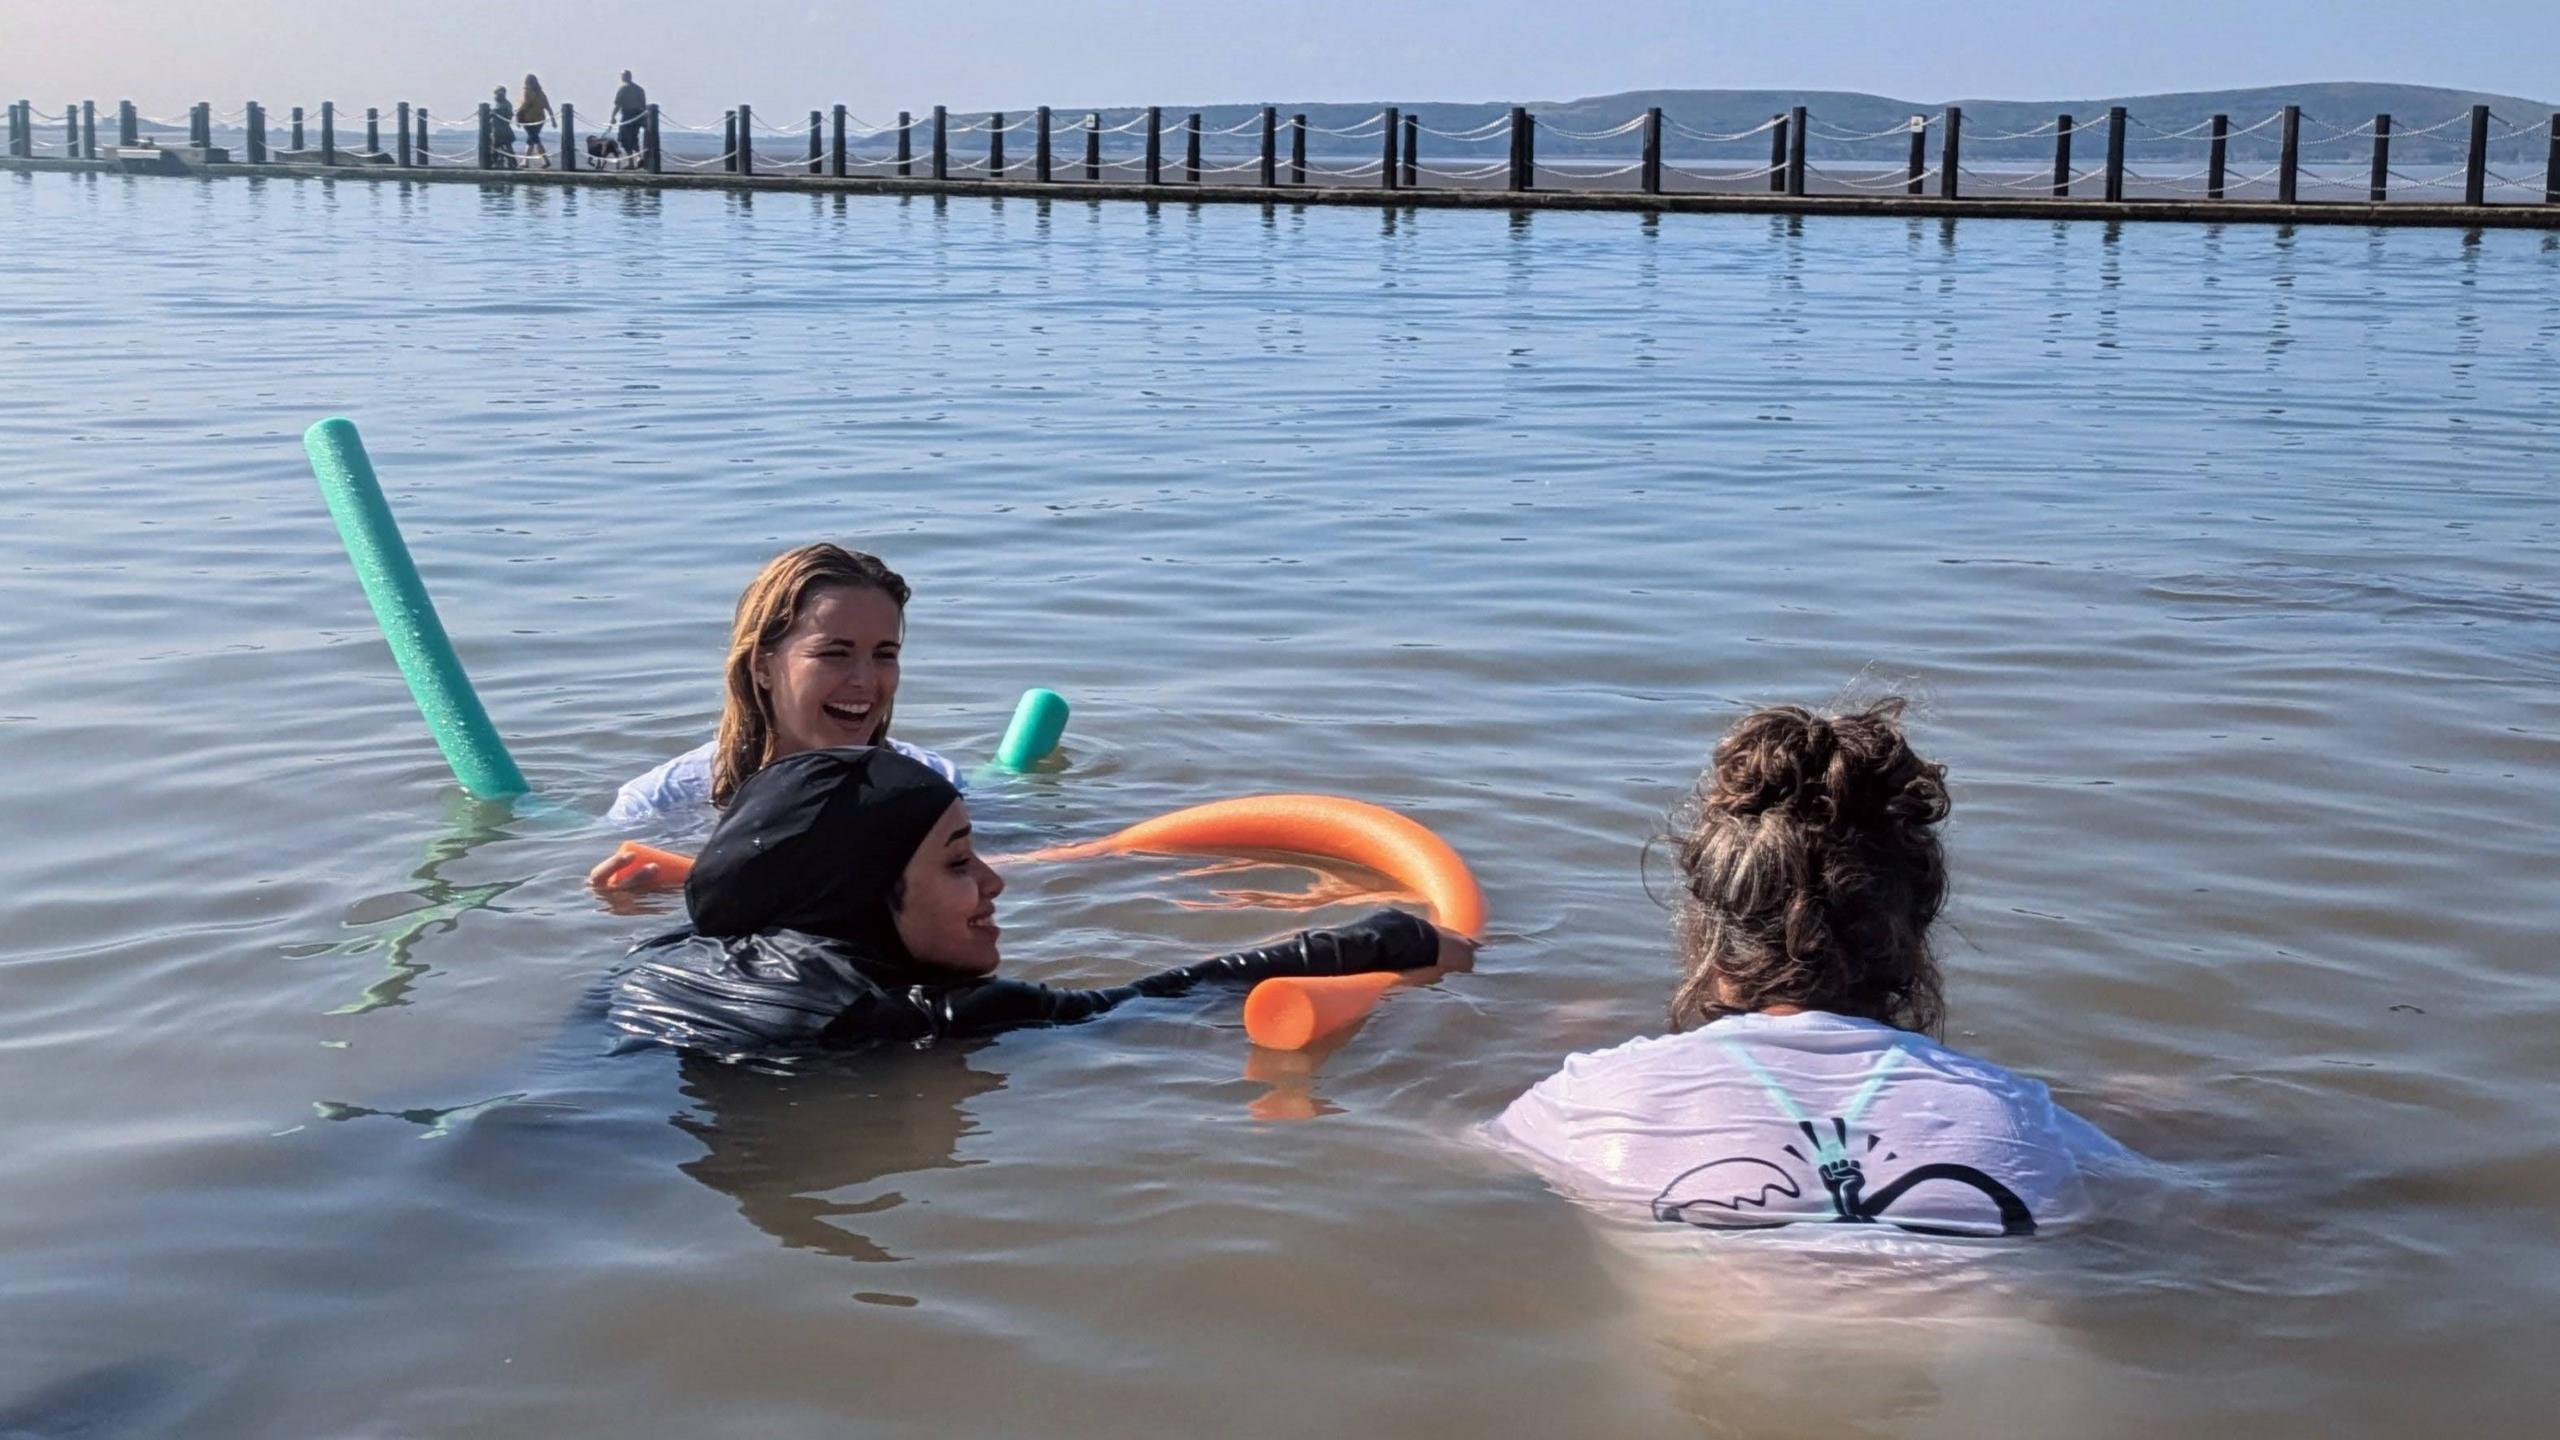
<point x="680" y="789"/>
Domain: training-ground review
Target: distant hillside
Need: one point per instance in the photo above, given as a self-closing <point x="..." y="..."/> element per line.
<point x="2343" y="106"/>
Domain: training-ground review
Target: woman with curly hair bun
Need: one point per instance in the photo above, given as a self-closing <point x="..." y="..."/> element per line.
<point x="1800" y="1082"/>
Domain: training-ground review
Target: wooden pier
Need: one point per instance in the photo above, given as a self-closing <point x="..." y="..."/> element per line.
<point x="1927" y="177"/>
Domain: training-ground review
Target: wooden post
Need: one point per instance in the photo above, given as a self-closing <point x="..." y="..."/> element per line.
<point x="400" y="123"/>
<point x="128" y="124"/>
<point x="746" y="139"/>
<point x="16" y="141"/>
<point x="1191" y="148"/>
<point x="2475" y="165"/>
<point x="1270" y="147"/>
<point x="817" y="142"/>
<point x="995" y="146"/>
<point x="202" y="118"/>
<point x="906" y="146"/>
<point x="2289" y="160"/>
<point x="1155" y="145"/>
<point x="1387" y="152"/>
<point x="1949" y="153"/>
<point x="2378" y="187"/>
<point x="568" y="136"/>
<point x="1040" y="166"/>
<point x="1093" y="145"/>
<point x="1649" y="164"/>
<point x="1412" y="151"/>
<point x="372" y="132"/>
<point x="1523" y="162"/>
<point x="426" y="154"/>
<point x="2551" y="166"/>
<point x="488" y="152"/>
<point x="656" y="158"/>
<point x="88" y="129"/>
<point x="835" y="143"/>
<point x="941" y="169"/>
<point x="257" y="122"/>
<point x="70" y="129"/>
<point x="297" y="128"/>
<point x="328" y="132"/>
<point x="2061" y="157"/>
<point x="1795" y="151"/>
<point x="1778" y="155"/>
<point x="2115" y="154"/>
<point x="2218" y="157"/>
<point x="1919" y="155"/>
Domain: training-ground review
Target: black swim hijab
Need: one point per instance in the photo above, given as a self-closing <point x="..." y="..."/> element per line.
<point x="815" y="842"/>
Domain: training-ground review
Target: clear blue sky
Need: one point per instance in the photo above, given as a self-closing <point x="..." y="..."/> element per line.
<point x="699" y="56"/>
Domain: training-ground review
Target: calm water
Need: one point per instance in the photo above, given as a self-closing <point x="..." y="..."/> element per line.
<point x="2222" y="559"/>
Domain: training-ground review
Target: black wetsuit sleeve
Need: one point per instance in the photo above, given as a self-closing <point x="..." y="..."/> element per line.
<point x="1387" y="940"/>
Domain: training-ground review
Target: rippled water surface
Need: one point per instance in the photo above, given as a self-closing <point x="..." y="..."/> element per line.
<point x="2223" y="562"/>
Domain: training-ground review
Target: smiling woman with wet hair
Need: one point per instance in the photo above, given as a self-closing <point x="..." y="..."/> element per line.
<point x="815" y="653"/>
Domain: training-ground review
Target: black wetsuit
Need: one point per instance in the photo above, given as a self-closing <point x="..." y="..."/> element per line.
<point x="788" y="992"/>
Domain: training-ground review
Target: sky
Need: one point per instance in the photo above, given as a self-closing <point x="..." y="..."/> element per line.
<point x="698" y="57"/>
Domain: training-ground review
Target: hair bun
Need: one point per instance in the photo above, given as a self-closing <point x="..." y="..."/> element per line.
<point x="1851" y="771"/>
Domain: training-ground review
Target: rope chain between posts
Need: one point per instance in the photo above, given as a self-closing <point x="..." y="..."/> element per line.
<point x="1489" y="130"/>
<point x="1879" y="182"/>
<point x="1477" y="172"/>
<point x="1357" y="130"/>
<point x="2047" y="128"/>
<point x="1761" y="173"/>
<point x="1609" y="134"/>
<point x="1764" y="127"/>
<point x="1594" y="174"/>
<point x="1824" y="131"/>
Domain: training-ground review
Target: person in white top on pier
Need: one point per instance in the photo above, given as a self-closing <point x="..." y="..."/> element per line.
<point x="1800" y="1084"/>
<point x="813" y="663"/>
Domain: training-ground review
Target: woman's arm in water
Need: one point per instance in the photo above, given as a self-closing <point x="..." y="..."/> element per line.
<point x="1387" y="940"/>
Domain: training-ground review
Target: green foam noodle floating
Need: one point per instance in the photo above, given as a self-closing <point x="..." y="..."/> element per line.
<point x="408" y="618"/>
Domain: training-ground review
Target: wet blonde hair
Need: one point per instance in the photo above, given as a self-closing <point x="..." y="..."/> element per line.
<point x="1811" y="871"/>
<point x="771" y="605"/>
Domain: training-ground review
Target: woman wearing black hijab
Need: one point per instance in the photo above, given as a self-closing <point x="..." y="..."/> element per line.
<point x="840" y="903"/>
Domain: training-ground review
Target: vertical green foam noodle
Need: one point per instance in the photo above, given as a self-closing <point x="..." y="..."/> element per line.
<point x="408" y="618"/>
<point x="1038" y="722"/>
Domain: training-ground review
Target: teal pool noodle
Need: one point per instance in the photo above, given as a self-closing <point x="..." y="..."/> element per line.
<point x="1038" y="721"/>
<point x="390" y="579"/>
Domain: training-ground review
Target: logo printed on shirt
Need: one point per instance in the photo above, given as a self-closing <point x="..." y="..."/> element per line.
<point x="1715" y="1195"/>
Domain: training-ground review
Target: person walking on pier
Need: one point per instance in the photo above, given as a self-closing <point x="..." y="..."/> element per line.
<point x="533" y="112"/>
<point x="502" y="130"/>
<point x="630" y="113"/>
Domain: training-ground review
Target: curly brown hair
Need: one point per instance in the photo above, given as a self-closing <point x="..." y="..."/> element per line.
<point x="1811" y="871"/>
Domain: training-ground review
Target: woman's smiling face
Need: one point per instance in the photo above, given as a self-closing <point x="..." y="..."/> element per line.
<point x="946" y="908"/>
<point x="832" y="677"/>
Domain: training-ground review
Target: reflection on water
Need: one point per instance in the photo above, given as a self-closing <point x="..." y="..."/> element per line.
<point x="788" y="1148"/>
<point x="2223" y="556"/>
<point x="436" y="907"/>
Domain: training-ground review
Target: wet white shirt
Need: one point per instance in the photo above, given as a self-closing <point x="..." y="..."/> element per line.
<point x="1760" y="1120"/>
<point x="680" y="790"/>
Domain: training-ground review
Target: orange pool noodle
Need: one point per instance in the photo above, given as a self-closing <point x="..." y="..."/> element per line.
<point x="1327" y="826"/>
<point x="1293" y="1012"/>
<point x="672" y="867"/>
